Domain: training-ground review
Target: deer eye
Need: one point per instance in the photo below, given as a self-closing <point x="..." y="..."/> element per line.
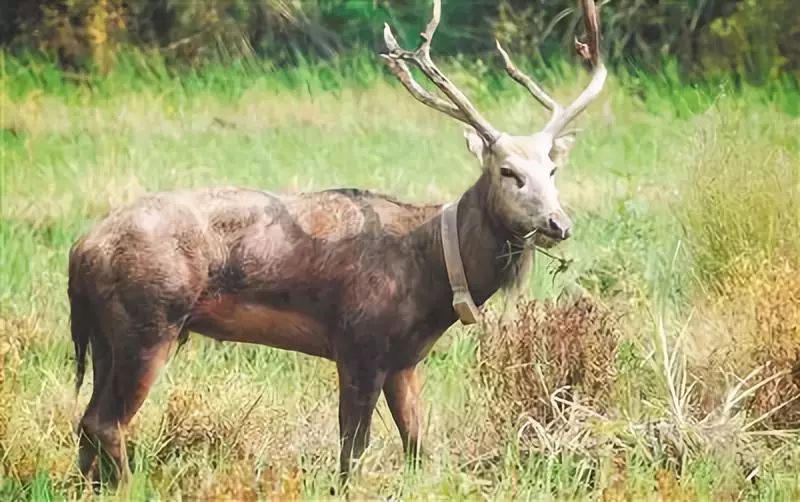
<point x="553" y="172"/>
<point x="509" y="173"/>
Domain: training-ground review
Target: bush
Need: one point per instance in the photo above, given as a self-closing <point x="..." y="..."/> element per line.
<point x="85" y="32"/>
<point x="544" y="350"/>
<point x="78" y="32"/>
<point x="196" y="424"/>
<point x="224" y="436"/>
<point x="754" y="38"/>
<point x="760" y="39"/>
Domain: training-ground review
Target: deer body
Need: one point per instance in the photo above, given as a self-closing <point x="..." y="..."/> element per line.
<point x="351" y="276"/>
<point x="306" y="272"/>
<point x="348" y="275"/>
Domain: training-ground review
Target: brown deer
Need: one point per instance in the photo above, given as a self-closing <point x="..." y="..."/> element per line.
<point x="352" y="276"/>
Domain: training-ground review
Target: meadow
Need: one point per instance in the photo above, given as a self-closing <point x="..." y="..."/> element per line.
<point x="662" y="364"/>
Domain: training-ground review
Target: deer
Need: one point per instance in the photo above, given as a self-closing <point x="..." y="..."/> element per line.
<point x="349" y="275"/>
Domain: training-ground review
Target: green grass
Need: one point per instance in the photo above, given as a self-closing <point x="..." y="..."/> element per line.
<point x="71" y="151"/>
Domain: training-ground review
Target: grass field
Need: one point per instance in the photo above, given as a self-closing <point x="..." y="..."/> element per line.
<point x="687" y="208"/>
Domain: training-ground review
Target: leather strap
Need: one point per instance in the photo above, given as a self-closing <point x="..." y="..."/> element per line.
<point x="462" y="299"/>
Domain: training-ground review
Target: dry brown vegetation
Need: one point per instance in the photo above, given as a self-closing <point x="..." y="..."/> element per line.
<point x="16" y="336"/>
<point x="547" y="349"/>
<point x="32" y="434"/>
<point x="741" y="213"/>
<point x="755" y="323"/>
<point x="554" y="384"/>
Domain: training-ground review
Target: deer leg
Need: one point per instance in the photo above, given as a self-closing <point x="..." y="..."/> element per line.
<point x="133" y="372"/>
<point x="401" y="390"/>
<point x="359" y="389"/>
<point x="88" y="447"/>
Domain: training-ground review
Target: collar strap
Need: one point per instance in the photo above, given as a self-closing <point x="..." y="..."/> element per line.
<point x="462" y="299"/>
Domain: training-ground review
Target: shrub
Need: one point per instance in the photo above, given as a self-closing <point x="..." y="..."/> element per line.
<point x="760" y="39"/>
<point x="17" y="335"/>
<point x="755" y="38"/>
<point x="544" y="350"/>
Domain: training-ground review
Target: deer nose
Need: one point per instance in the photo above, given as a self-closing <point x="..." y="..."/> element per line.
<point x="560" y="227"/>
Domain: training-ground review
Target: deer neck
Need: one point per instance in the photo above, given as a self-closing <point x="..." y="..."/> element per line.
<point x="483" y="264"/>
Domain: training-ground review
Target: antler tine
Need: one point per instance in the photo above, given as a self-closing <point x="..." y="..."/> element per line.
<point x="591" y="19"/>
<point x="400" y="70"/>
<point x="591" y="53"/>
<point x="527" y="82"/>
<point x="427" y="35"/>
<point x="459" y="107"/>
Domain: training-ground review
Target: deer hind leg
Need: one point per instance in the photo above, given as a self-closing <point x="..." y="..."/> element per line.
<point x="137" y="356"/>
<point x="359" y="389"/>
<point x="88" y="447"/>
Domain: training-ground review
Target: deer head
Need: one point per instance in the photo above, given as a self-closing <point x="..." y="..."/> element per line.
<point x="523" y="196"/>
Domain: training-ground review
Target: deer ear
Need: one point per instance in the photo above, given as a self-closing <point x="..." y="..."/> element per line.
<point x="474" y="143"/>
<point x="561" y="148"/>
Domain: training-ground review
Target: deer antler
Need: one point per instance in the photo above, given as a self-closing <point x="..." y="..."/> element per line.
<point x="459" y="106"/>
<point x="526" y="81"/>
<point x="561" y="116"/>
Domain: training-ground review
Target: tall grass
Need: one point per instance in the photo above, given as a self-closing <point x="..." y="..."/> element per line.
<point x="744" y="205"/>
<point x="658" y="167"/>
<point x="741" y="216"/>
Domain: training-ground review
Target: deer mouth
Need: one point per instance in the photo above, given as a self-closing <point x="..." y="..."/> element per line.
<point x="546" y="238"/>
<point x="540" y="236"/>
<point x="549" y="233"/>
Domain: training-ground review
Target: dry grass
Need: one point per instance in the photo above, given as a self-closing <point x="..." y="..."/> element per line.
<point x="199" y="422"/>
<point x="33" y="432"/>
<point x="227" y="437"/>
<point x="239" y="482"/>
<point x="566" y="349"/>
<point x="740" y="206"/>
<point x="552" y="371"/>
<point x="18" y="336"/>
<point x="755" y="322"/>
<point x="741" y="212"/>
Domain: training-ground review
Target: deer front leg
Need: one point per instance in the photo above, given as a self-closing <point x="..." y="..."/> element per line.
<point x="359" y="387"/>
<point x="401" y="390"/>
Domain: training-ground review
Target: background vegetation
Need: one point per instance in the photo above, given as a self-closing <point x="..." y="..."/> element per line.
<point x="757" y="39"/>
<point x="663" y="364"/>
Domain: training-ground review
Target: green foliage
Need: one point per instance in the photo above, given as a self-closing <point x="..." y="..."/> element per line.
<point x="757" y="39"/>
<point x="760" y="39"/>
